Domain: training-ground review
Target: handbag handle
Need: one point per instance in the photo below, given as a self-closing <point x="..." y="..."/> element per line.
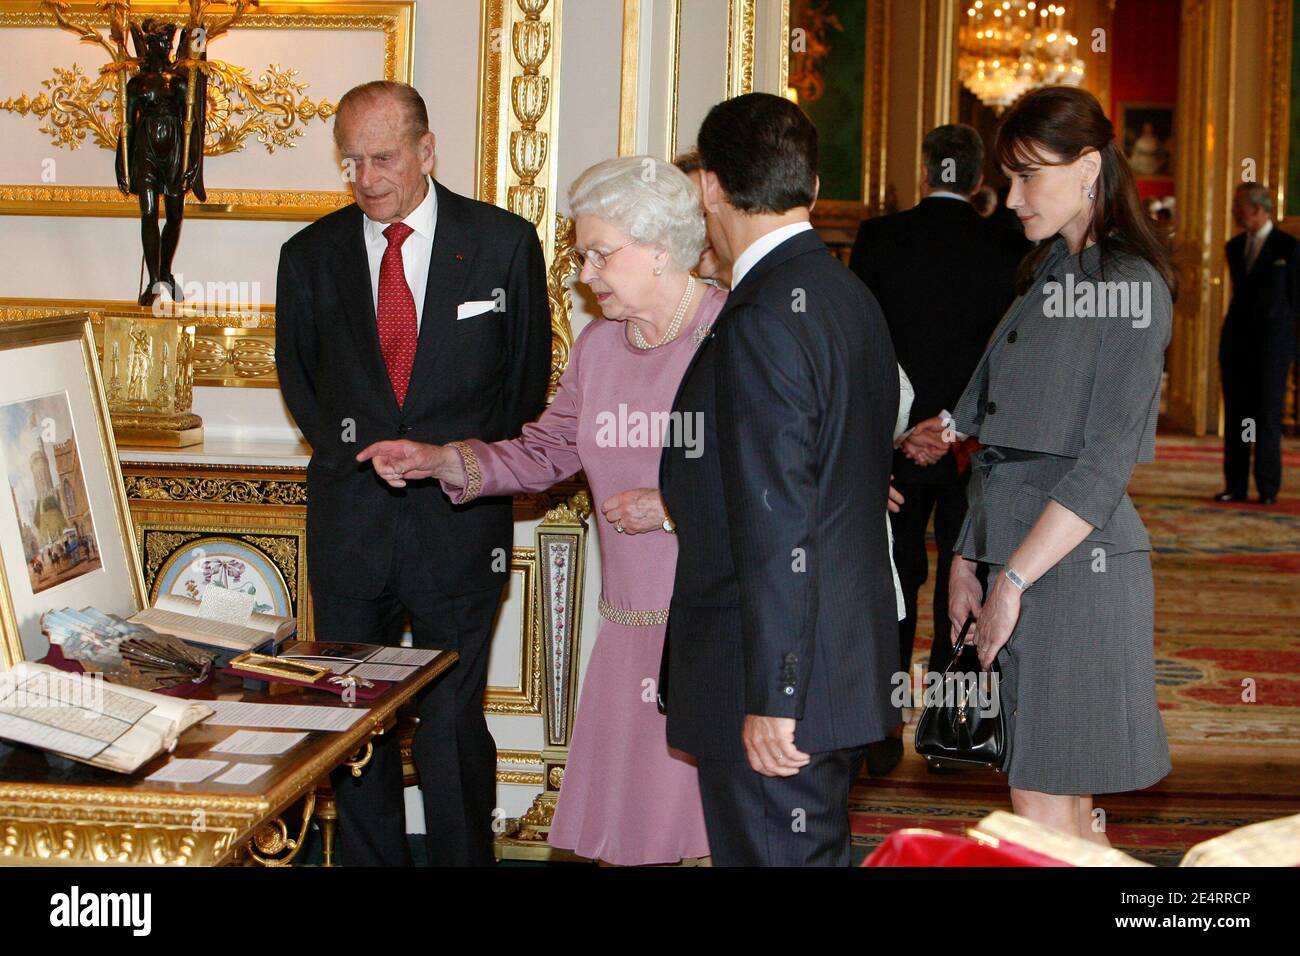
<point x="961" y="640"/>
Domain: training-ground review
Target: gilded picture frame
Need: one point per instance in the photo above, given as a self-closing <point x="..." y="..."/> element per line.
<point x="394" y="20"/>
<point x="38" y="359"/>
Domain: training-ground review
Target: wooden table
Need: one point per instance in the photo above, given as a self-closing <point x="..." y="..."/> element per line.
<point x="54" y="810"/>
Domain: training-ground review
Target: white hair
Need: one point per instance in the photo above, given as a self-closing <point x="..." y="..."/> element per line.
<point x="651" y="200"/>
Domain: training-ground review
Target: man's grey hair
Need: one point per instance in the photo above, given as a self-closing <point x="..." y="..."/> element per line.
<point x="651" y="200"/>
<point x="1256" y="195"/>
<point x="377" y="91"/>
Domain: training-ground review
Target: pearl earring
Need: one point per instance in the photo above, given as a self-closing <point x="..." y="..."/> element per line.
<point x="1092" y="191"/>
<point x="659" y="271"/>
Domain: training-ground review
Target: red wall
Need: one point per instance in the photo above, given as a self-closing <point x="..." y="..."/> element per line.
<point x="1143" y="45"/>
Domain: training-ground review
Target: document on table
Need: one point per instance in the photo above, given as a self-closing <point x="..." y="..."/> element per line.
<point x="242" y="773"/>
<point x="186" y="770"/>
<point x="406" y="656"/>
<point x="258" y="742"/>
<point x="236" y="713"/>
<point x="392" y="672"/>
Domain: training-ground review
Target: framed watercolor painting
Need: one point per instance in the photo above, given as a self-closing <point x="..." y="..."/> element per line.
<point x="65" y="531"/>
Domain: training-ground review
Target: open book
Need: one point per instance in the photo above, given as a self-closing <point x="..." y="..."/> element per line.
<point x="181" y="616"/>
<point x="83" y="717"/>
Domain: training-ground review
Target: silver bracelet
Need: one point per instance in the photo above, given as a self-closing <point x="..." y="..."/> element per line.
<point x="1015" y="579"/>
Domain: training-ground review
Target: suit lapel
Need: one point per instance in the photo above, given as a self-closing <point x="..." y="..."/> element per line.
<point x="357" y="295"/>
<point x="449" y="263"/>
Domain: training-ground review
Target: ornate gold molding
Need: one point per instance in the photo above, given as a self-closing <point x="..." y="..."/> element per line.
<point x="525" y="699"/>
<point x="876" y="106"/>
<point x="1277" y="124"/>
<point x="270" y="491"/>
<point x="234" y="344"/>
<point x="515" y="163"/>
<point x="740" y="47"/>
<point x="28" y="841"/>
<point x="526" y="778"/>
<point x="394" y="18"/>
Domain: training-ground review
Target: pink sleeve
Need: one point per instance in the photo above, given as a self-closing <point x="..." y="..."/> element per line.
<point x="545" y="452"/>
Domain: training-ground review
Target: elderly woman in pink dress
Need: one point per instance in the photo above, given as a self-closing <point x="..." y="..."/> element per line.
<point x="627" y="798"/>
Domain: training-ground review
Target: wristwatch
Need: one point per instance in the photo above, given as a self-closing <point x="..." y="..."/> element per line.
<point x="669" y="525"/>
<point x="1015" y="578"/>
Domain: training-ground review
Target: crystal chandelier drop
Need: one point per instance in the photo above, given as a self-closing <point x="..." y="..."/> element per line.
<point x="1008" y="47"/>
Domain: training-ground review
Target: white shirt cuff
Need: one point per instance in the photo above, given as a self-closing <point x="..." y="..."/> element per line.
<point x="945" y="416"/>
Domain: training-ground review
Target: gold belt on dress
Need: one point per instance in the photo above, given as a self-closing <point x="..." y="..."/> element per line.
<point x="630" y="618"/>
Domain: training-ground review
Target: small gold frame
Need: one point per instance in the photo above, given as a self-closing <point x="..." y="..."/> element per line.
<point x="278" y="667"/>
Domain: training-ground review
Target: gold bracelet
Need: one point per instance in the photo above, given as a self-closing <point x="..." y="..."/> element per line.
<point x="629" y="617"/>
<point x="473" y="476"/>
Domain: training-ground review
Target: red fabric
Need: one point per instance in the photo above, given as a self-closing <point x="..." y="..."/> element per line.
<point x="962" y="452"/>
<point x="398" y="331"/>
<point x="942" y="849"/>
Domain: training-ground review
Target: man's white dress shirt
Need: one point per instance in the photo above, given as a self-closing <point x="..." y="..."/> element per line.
<point x="416" y="250"/>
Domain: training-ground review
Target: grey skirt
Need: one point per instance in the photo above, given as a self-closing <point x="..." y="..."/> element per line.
<point x="1078" y="683"/>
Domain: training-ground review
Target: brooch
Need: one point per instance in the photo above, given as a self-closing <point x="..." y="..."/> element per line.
<point x="702" y="333"/>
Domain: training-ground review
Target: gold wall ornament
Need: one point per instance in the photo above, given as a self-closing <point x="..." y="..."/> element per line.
<point x="515" y="163"/>
<point x="564" y="266"/>
<point x="231" y="344"/>
<point x="272" y="110"/>
<point x="393" y="19"/>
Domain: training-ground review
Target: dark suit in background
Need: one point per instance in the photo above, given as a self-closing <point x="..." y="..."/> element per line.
<point x="943" y="277"/>
<point x="379" y="553"/>
<point x="783" y="602"/>
<point x="1256" y="349"/>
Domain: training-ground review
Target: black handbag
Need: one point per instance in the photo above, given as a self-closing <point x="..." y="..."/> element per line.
<point x="965" y="727"/>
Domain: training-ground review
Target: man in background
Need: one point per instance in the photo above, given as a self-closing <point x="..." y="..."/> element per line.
<point x="944" y="277"/>
<point x="1258" y="345"/>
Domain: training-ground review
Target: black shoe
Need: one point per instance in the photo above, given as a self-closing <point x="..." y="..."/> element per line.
<point x="1229" y="496"/>
<point x="1268" y="499"/>
<point x="884" y="755"/>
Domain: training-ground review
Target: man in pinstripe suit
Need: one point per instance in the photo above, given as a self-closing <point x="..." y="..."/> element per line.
<point x="782" y="634"/>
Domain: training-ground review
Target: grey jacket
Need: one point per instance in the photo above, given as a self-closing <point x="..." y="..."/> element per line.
<point x="1072" y="372"/>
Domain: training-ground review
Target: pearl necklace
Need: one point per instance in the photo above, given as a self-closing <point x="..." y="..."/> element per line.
<point x="674" y="327"/>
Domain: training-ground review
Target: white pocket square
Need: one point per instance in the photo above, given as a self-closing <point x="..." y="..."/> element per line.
<point x="468" y="310"/>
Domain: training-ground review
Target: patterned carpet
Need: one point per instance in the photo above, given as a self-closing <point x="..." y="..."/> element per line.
<point x="1228" y="668"/>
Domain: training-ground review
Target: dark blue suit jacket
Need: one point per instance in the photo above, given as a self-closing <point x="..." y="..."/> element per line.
<point x="783" y="602"/>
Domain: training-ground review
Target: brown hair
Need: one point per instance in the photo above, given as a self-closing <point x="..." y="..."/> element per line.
<point x="412" y="103"/>
<point x="1066" y="121"/>
<point x="688" y="161"/>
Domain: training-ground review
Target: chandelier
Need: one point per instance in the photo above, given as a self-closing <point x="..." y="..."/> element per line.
<point x="1009" y="47"/>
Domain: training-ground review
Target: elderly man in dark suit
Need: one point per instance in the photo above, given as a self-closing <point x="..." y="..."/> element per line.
<point x="782" y="625"/>
<point x="943" y="276"/>
<point x="421" y="315"/>
<point x="1258" y="345"/>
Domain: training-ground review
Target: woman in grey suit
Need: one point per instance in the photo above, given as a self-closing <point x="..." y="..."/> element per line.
<point x="1065" y="401"/>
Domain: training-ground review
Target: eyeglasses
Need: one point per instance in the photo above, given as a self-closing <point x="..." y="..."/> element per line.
<point x="598" y="258"/>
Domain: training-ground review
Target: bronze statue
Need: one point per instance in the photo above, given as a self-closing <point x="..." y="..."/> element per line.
<point x="162" y="159"/>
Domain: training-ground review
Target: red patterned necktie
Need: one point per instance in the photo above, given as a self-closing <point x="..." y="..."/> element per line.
<point x="398" y="332"/>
